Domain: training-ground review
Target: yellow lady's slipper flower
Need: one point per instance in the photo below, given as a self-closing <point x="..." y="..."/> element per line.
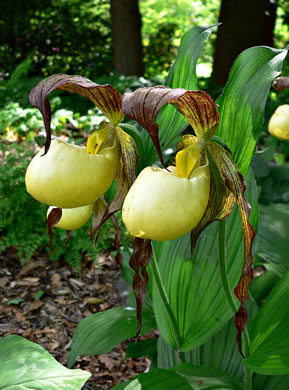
<point x="164" y="204"/>
<point x="69" y="176"/>
<point x="279" y="123"/>
<point x="74" y="218"/>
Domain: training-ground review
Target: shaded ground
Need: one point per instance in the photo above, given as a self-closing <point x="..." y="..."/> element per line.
<point x="64" y="298"/>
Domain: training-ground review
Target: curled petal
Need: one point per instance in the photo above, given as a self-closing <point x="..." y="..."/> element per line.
<point x="105" y="97"/>
<point x="198" y="108"/>
<point x="200" y="111"/>
<point x="143" y="106"/>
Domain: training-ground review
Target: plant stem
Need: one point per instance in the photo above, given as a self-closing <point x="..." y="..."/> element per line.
<point x="165" y="300"/>
<point x="230" y="298"/>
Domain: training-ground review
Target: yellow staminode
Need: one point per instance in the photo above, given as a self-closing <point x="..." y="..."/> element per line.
<point x="187" y="160"/>
<point x="98" y="140"/>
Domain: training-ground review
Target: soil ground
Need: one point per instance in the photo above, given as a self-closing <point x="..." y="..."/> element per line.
<point x="65" y="297"/>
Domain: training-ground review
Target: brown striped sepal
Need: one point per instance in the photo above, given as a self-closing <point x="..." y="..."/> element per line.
<point x="197" y="107"/>
<point x="234" y="181"/>
<point x="105" y="97"/>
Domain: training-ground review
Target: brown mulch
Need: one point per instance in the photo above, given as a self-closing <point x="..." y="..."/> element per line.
<point x="67" y="297"/>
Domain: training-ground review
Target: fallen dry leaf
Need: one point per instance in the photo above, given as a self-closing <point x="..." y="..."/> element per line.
<point x="35" y="305"/>
<point x="56" y="280"/>
<point x="27" y="269"/>
<point x="26" y="282"/>
<point x="4" y="281"/>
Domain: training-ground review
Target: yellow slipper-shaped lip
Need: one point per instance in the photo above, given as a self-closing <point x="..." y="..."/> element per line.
<point x="162" y="206"/>
<point x="67" y="176"/>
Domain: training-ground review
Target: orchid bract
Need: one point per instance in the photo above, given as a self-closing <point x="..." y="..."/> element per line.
<point x="74" y="218"/>
<point x="279" y="123"/>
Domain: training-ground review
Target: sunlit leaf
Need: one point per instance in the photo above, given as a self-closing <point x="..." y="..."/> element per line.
<point x="243" y="100"/>
<point x="182" y="377"/>
<point x="25" y="365"/>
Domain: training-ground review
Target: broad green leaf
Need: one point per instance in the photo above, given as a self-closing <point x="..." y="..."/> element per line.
<point x="207" y="377"/>
<point x="274" y="237"/>
<point x="243" y="100"/>
<point x="156" y="380"/>
<point x="181" y="75"/>
<point x="269" y="333"/>
<point x="220" y="352"/>
<point x="100" y="332"/>
<point x="193" y="285"/>
<point x="182" y="377"/>
<point x="276" y="382"/>
<point x="27" y="366"/>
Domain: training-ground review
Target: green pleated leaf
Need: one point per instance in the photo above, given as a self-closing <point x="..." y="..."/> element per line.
<point x="193" y="285"/>
<point x="105" y="97"/>
<point x="182" y="377"/>
<point x="269" y="333"/>
<point x="273" y="232"/>
<point x="181" y="75"/>
<point x="156" y="380"/>
<point x="243" y="100"/>
<point x="100" y="332"/>
<point x="147" y="348"/>
<point x="220" y="352"/>
<point x="207" y="377"/>
<point x="27" y="366"/>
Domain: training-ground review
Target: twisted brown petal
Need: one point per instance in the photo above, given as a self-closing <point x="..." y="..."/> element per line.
<point x="105" y="97"/>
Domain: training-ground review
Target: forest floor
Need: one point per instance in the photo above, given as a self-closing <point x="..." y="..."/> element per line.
<point x="66" y="298"/>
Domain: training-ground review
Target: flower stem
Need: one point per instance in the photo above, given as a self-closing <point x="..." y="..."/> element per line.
<point x="230" y="298"/>
<point x="165" y="300"/>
